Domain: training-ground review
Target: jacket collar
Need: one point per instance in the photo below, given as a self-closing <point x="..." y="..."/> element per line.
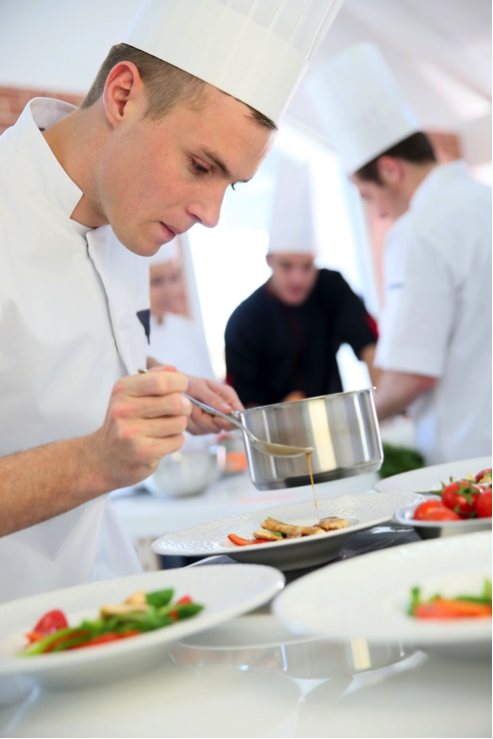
<point x="44" y="170"/>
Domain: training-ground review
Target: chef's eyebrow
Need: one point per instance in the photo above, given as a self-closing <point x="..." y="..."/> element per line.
<point x="217" y="161"/>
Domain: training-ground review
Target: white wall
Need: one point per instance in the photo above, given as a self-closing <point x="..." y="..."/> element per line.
<point x="59" y="44"/>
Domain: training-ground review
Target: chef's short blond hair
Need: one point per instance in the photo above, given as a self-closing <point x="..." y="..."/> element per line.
<point x="166" y="85"/>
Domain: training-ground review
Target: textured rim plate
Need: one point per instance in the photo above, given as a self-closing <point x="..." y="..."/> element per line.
<point x="362" y="511"/>
<point x="429" y="479"/>
<point x="226" y="591"/>
<point x="367" y="596"/>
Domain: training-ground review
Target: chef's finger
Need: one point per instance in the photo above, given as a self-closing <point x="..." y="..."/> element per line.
<point x="230" y="396"/>
<point x="206" y="395"/>
<point x="161" y="382"/>
<point x="159" y="428"/>
<point x="152" y="406"/>
<point x="202" y="423"/>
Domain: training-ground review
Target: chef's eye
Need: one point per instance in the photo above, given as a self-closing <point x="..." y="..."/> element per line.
<point x="199" y="169"/>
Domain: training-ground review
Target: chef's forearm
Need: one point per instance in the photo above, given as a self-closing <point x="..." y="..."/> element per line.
<point x="44" y="482"/>
<point x="397" y="390"/>
<point x="367" y="355"/>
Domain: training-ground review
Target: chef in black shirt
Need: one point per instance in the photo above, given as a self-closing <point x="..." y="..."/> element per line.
<point x="282" y="341"/>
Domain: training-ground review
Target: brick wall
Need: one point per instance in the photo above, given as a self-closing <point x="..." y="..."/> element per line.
<point x="14" y="99"/>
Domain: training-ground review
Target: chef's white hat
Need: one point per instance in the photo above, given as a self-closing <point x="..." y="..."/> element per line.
<point x="255" y="50"/>
<point x="167" y="252"/>
<point x="360" y="106"/>
<point x="292" y="229"/>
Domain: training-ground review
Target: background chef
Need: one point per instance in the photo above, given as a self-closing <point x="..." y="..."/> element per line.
<point x="282" y="341"/>
<point x="174" y="339"/>
<point x="84" y="194"/>
<point x="435" y="332"/>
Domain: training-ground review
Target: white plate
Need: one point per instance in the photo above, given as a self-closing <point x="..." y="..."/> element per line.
<point x="226" y="591"/>
<point x="366" y="597"/>
<point x="362" y="512"/>
<point x="429" y="479"/>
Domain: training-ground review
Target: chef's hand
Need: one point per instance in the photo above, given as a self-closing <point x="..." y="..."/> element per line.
<point x="219" y="396"/>
<point x="145" y="420"/>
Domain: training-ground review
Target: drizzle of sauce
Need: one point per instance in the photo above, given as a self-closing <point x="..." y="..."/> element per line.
<point x="311" y="477"/>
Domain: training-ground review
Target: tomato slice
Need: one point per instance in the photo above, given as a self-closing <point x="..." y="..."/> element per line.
<point x="50" y="622"/>
<point x="104" y="639"/>
<point x="185" y="601"/>
<point x="240" y="542"/>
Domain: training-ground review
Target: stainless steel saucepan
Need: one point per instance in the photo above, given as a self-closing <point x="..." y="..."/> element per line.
<point x="342" y="429"/>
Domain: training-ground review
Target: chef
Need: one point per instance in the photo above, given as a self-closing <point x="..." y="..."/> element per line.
<point x="282" y="341"/>
<point x="84" y="195"/>
<point x="174" y="339"/>
<point x="435" y="331"/>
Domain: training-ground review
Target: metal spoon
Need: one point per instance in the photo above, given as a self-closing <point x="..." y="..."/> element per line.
<point x="266" y="447"/>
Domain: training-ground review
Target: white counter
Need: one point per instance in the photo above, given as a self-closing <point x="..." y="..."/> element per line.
<point x="311" y="689"/>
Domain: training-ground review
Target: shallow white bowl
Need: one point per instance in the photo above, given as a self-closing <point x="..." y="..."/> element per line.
<point x="367" y="597"/>
<point x="226" y="591"/>
<point x="362" y="511"/>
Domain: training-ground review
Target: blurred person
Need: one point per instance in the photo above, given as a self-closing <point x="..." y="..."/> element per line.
<point x="175" y="116"/>
<point x="282" y="341"/>
<point x="435" y="331"/>
<point x="174" y="339"/>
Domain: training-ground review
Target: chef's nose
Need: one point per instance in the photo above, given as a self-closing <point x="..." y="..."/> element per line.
<point x="208" y="210"/>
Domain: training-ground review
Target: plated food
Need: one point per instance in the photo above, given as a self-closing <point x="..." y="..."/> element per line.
<point x="360" y="512"/>
<point x="465" y="498"/>
<point x="368" y="596"/>
<point x="277" y="531"/>
<point x="141" y="612"/>
<point x="462" y="506"/>
<point x="225" y="591"/>
<point x="458" y="606"/>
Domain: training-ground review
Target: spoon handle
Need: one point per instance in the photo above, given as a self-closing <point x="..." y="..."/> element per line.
<point x="211" y="411"/>
<point x="214" y="412"/>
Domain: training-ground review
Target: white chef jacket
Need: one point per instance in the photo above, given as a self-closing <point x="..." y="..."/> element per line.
<point x="68" y="331"/>
<point x="437" y="315"/>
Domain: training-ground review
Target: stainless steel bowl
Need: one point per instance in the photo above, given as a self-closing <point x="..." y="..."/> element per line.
<point x="342" y="429"/>
<point x="436" y="529"/>
<point x="185" y="473"/>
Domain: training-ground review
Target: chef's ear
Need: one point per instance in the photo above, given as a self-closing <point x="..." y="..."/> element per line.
<point x="390" y="170"/>
<point x="123" y="93"/>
